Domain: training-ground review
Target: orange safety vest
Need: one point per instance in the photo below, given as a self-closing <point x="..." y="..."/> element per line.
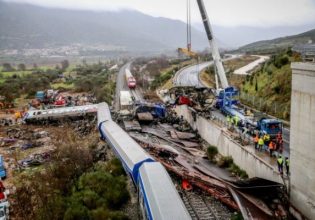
<point x="256" y="139"/>
<point x="271" y="145"/>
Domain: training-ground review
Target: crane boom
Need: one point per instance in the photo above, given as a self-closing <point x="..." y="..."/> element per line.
<point x="214" y="49"/>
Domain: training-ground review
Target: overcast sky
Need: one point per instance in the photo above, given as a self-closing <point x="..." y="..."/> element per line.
<point x="262" y="13"/>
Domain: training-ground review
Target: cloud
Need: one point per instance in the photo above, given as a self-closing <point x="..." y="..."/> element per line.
<point x="257" y="13"/>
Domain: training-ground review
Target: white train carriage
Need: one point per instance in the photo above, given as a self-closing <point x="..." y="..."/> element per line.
<point x="103" y="113"/>
<point x="126" y="149"/>
<point x="158" y="197"/>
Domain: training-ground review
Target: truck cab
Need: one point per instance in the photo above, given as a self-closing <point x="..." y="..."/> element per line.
<point x="40" y="95"/>
<point x="3" y="173"/>
<point x="270" y="126"/>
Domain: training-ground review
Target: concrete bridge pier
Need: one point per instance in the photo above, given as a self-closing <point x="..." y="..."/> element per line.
<point x="302" y="140"/>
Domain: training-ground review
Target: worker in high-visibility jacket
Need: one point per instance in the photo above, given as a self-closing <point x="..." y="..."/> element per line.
<point x="256" y="138"/>
<point x="229" y="120"/>
<point x="266" y="139"/>
<point x="280" y="164"/>
<point x="260" y="143"/>
<point x="272" y="147"/>
<point x="236" y="120"/>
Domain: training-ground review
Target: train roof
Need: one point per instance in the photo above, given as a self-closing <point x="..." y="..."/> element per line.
<point x="103" y="113"/>
<point x="160" y="194"/>
<point x="62" y="111"/>
<point x="129" y="151"/>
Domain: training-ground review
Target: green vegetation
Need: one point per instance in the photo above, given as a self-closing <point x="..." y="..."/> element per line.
<point x="212" y="151"/>
<point x="269" y="88"/>
<point x="14" y="86"/>
<point x="70" y="186"/>
<point x="227" y="162"/>
<point x="163" y="78"/>
<point x="94" y="79"/>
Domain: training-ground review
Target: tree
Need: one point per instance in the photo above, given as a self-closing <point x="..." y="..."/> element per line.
<point x="64" y="64"/>
<point x="6" y="67"/>
<point x="21" y="67"/>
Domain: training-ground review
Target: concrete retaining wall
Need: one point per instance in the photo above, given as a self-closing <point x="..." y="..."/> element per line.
<point x="218" y="136"/>
<point x="302" y="138"/>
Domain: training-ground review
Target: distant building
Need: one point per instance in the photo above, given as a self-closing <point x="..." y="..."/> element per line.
<point x="307" y="51"/>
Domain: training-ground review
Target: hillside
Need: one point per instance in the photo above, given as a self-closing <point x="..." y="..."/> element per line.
<point x="279" y="43"/>
<point x="26" y="26"/>
<point x="269" y="88"/>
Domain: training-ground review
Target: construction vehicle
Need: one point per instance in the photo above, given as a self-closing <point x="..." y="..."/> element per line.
<point x="47" y="97"/>
<point x="219" y="70"/>
<point x="230" y="106"/>
<point x="226" y="94"/>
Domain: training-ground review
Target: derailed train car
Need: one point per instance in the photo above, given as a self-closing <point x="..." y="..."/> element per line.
<point x="158" y="197"/>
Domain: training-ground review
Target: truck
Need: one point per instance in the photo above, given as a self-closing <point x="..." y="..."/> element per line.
<point x="228" y="105"/>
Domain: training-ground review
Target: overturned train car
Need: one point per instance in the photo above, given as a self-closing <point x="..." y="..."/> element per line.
<point x="157" y="195"/>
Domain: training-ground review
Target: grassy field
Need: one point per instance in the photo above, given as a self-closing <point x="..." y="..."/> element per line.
<point x="207" y="76"/>
<point x="270" y="86"/>
<point x="62" y="85"/>
<point x="18" y="73"/>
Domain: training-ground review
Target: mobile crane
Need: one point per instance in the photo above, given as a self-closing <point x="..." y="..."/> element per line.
<point x="225" y="94"/>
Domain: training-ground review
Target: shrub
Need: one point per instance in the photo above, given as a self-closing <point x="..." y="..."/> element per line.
<point x="77" y="212"/>
<point x="212" y="151"/>
<point x="225" y="162"/>
<point x="238" y="171"/>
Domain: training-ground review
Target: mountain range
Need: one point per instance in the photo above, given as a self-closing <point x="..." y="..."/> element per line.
<point x="25" y="26"/>
<point x="29" y="26"/>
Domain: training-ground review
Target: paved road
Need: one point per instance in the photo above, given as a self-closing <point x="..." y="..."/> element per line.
<point x="246" y="69"/>
<point x="189" y="76"/>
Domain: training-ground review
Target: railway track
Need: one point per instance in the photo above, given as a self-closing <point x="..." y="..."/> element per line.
<point x="136" y="93"/>
<point x="204" y="207"/>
